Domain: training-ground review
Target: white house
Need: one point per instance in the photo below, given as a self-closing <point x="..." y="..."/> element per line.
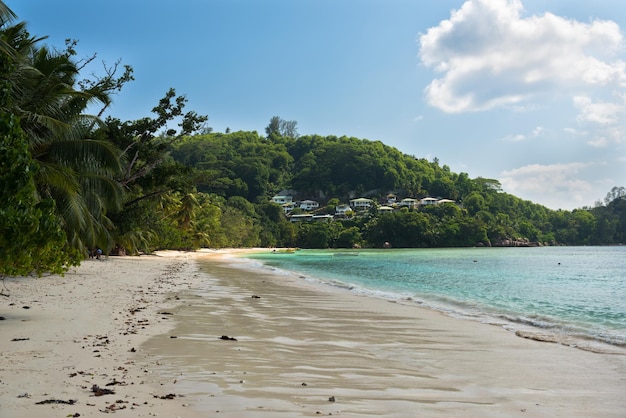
<point x="309" y="205"/>
<point x="281" y="200"/>
<point x="428" y="201"/>
<point x="361" y="204"/>
<point x="288" y="207"/>
<point x="385" y="209"/>
<point x="445" y="201"/>
<point x="409" y="203"/>
<point x="342" y="210"/>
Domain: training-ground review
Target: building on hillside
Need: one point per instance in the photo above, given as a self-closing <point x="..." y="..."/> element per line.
<point x="440" y="201"/>
<point x="281" y="200"/>
<point x="342" y="210"/>
<point x="309" y="205"/>
<point x="391" y="199"/>
<point x="288" y="207"/>
<point x="361" y="204"/>
<point x="409" y="203"/>
<point x="304" y="217"/>
<point x="323" y="217"/>
<point x="428" y="201"/>
<point x="385" y="209"/>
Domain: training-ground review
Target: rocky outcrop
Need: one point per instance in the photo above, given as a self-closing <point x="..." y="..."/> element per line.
<point x="516" y="243"/>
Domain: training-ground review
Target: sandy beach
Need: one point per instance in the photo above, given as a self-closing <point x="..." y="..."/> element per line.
<point x="196" y="334"/>
<point x="63" y="335"/>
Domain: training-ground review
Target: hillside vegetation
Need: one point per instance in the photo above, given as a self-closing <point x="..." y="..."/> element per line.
<point x="332" y="170"/>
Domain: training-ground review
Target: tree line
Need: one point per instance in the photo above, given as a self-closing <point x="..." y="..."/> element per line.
<point x="73" y="181"/>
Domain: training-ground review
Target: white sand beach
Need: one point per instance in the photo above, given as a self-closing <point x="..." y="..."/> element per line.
<point x="150" y="328"/>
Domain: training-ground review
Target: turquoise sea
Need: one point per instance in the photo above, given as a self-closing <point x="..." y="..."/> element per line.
<point x="572" y="293"/>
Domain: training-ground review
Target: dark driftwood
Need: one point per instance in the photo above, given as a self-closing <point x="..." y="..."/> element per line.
<point x="227" y="338"/>
<point x="56" y="401"/>
<point x="98" y="391"/>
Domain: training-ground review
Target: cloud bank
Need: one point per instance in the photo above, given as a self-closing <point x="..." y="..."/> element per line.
<point x="490" y="54"/>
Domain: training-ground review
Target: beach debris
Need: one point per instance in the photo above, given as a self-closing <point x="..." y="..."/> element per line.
<point x="56" y="401"/>
<point x="164" y="313"/>
<point x="255" y="297"/>
<point x="168" y="396"/>
<point x="74" y="374"/>
<point x="331" y="399"/>
<point x="227" y="338"/>
<point x="530" y="335"/>
<point x="114" y="407"/>
<point x="20" y="339"/>
<point x="173" y="336"/>
<point x="24" y="395"/>
<point x="103" y="340"/>
<point x="25" y="307"/>
<point x="98" y="391"/>
<point x="304" y="384"/>
<point x="115" y="382"/>
<point x="135" y="310"/>
<point x="2" y="318"/>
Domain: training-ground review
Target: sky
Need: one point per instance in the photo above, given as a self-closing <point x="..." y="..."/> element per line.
<point x="529" y="92"/>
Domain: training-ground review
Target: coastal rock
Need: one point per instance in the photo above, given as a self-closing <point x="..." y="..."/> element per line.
<point x="516" y="243"/>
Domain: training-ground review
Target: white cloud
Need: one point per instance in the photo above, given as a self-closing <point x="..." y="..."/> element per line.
<point x="558" y="186"/>
<point x="576" y="132"/>
<point x="603" y="113"/>
<point x="537" y="132"/>
<point x="605" y="118"/>
<point x="488" y="55"/>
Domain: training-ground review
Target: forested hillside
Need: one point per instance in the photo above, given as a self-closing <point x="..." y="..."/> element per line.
<point x="73" y="181"/>
<point x="333" y="170"/>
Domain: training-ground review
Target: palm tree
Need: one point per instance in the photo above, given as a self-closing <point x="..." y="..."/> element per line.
<point x="6" y="15"/>
<point x="77" y="172"/>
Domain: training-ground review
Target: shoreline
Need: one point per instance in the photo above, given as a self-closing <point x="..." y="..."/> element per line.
<point x="152" y="326"/>
<point x="299" y="344"/>
<point x="520" y="326"/>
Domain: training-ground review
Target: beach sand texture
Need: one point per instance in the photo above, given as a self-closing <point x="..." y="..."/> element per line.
<point x="299" y="349"/>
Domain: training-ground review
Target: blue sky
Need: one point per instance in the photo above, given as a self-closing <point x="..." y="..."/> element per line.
<point x="529" y="92"/>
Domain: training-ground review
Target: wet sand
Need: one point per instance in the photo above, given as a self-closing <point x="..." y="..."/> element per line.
<point x="150" y="328"/>
<point x="304" y="349"/>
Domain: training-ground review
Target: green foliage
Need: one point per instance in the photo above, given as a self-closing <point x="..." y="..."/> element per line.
<point x="349" y="238"/>
<point x="31" y="239"/>
<point x="318" y="234"/>
<point x="280" y="127"/>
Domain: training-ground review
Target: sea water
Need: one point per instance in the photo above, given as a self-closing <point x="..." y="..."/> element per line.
<point x="570" y="293"/>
